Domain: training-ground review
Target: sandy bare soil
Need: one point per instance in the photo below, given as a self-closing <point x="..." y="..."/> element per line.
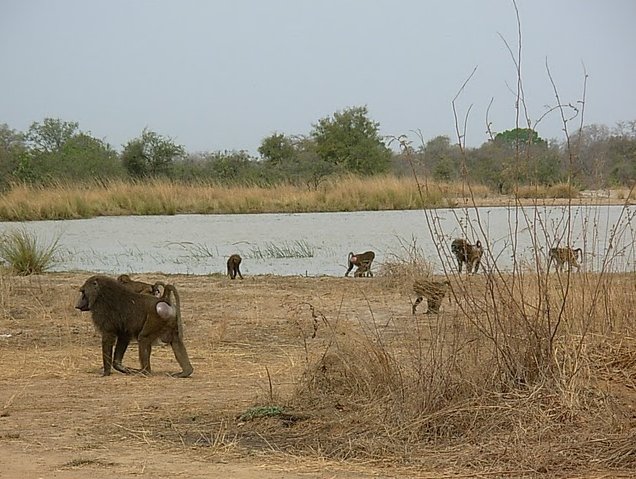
<point x="60" y="418"/>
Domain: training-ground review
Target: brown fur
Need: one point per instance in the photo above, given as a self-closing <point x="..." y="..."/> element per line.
<point x="170" y="295"/>
<point x="233" y="263"/>
<point x="122" y="315"/>
<point x="560" y="256"/>
<point x="433" y="291"/>
<point x="466" y="253"/>
<point x="136" y="286"/>
<point x="363" y="262"/>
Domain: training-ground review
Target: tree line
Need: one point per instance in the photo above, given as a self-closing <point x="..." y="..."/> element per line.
<point x="347" y="142"/>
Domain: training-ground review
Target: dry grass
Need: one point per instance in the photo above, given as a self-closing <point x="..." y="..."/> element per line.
<point x="350" y="193"/>
<point x="355" y="377"/>
<point x="559" y="190"/>
<point x="65" y="201"/>
<point x="485" y="377"/>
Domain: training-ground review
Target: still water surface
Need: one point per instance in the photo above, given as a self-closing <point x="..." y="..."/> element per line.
<point x="200" y="244"/>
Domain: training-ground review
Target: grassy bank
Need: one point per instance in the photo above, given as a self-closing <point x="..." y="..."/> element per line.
<point x="67" y="201"/>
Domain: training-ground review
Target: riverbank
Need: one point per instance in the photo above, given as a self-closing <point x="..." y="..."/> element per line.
<point x="118" y="198"/>
<point x="256" y="342"/>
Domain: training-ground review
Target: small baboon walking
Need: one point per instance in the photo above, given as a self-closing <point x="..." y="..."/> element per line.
<point x="233" y="263"/>
<point x="433" y="291"/>
<point x="466" y="253"/>
<point x="560" y="256"/>
<point x="363" y="261"/>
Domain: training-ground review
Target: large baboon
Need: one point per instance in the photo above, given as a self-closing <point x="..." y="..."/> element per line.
<point x="233" y="263"/>
<point x="362" y="261"/>
<point x="136" y="286"/>
<point x="466" y="253"/>
<point x="560" y="256"/>
<point x="433" y="291"/>
<point x="122" y="315"/>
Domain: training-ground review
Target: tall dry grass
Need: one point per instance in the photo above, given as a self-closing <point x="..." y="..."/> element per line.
<point x="488" y="385"/>
<point x="349" y="193"/>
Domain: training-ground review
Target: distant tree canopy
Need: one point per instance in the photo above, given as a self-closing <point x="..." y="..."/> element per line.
<point x="50" y="135"/>
<point x="12" y="149"/>
<point x="519" y="136"/>
<point x="277" y="149"/>
<point x="350" y="140"/>
<point x="57" y="149"/>
<point x="151" y="155"/>
<point x="346" y="142"/>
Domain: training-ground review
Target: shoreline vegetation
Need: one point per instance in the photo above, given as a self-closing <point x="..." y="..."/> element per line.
<point x="344" y="194"/>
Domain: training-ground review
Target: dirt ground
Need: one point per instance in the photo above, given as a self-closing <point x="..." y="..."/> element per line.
<point x="59" y="418"/>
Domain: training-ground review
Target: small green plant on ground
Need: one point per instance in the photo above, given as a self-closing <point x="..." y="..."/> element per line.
<point x="25" y="254"/>
<point x="261" y="411"/>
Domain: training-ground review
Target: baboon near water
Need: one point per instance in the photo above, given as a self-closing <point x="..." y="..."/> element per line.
<point x="560" y="256"/>
<point x="233" y="263"/>
<point x="362" y="261"/>
<point x="122" y="315"/>
<point x="433" y="291"/>
<point x="466" y="253"/>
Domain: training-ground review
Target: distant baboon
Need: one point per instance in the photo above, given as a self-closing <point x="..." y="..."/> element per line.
<point x="136" y="286"/>
<point x="122" y="315"/>
<point x="560" y="256"/>
<point x="433" y="291"/>
<point x="233" y="263"/>
<point x="466" y="253"/>
<point x="363" y="262"/>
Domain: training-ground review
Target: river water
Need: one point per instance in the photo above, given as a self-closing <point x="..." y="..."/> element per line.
<point x="200" y="244"/>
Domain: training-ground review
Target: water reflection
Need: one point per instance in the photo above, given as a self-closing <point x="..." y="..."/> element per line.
<point x="200" y="244"/>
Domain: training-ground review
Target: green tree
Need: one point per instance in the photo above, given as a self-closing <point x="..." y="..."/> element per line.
<point x="218" y="166"/>
<point x="277" y="149"/>
<point x="443" y="158"/>
<point x="232" y="166"/>
<point x="86" y="157"/>
<point x="151" y="155"/>
<point x="57" y="149"/>
<point x="50" y="135"/>
<point x="12" y="148"/>
<point x="350" y="140"/>
<point x="622" y="160"/>
<point x="519" y="137"/>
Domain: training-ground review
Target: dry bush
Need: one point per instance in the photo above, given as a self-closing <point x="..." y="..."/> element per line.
<point x="401" y="269"/>
<point x="559" y="190"/>
<point x="513" y="368"/>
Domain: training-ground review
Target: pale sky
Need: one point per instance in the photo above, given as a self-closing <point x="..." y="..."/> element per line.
<point x="223" y="75"/>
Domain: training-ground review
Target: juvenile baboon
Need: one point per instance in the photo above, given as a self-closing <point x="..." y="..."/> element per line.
<point x="122" y="315"/>
<point x="169" y="296"/>
<point x="466" y="253"/>
<point x="136" y="286"/>
<point x="363" y="262"/>
<point x="233" y="263"/>
<point x="433" y="291"/>
<point x="560" y="256"/>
